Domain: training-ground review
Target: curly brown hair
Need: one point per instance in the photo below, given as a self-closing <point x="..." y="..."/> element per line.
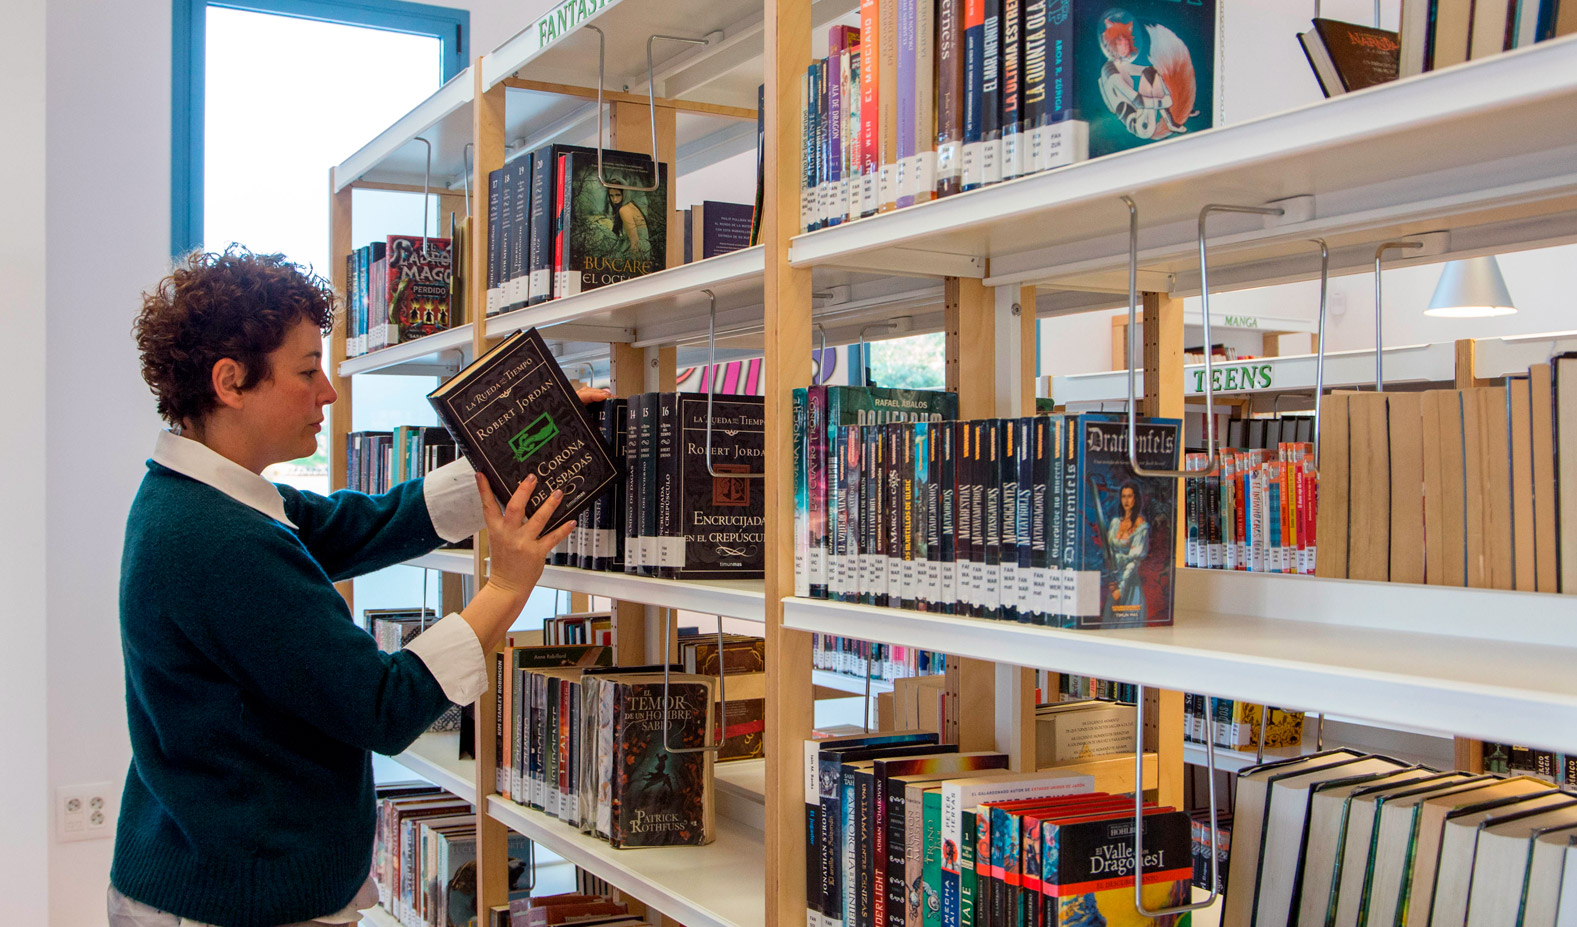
<point x="236" y="304"/>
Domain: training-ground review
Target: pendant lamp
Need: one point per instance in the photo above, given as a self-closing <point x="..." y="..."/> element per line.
<point x="1470" y="289"/>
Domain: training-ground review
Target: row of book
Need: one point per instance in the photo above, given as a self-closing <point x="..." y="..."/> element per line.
<point x="1257" y="512"/>
<point x="850" y="656"/>
<point x="1236" y="724"/>
<point x="926" y="98"/>
<point x="1513" y="759"/>
<point x="669" y="514"/>
<point x="904" y="832"/>
<point x="555" y="229"/>
<point x="377" y="461"/>
<point x="424" y="857"/>
<point x="1347" y="839"/>
<point x="589" y="744"/>
<point x="1038" y="520"/>
<point x="1440" y="33"/>
<point x="713" y="229"/>
<point x="1071" y="686"/>
<point x="578" y="628"/>
<point x="399" y="289"/>
<point x="1262" y="433"/>
<point x="1450" y="487"/>
<point x="1207" y="846"/>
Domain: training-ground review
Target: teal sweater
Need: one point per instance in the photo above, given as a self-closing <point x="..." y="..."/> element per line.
<point x="254" y="699"/>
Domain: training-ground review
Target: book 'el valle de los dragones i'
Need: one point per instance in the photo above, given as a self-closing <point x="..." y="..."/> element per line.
<point x="514" y="413"/>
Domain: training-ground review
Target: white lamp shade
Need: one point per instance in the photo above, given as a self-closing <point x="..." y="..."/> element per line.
<point x="1471" y="289"/>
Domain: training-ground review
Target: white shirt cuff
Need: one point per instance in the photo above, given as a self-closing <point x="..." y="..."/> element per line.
<point x="454" y="656"/>
<point x="453" y="502"/>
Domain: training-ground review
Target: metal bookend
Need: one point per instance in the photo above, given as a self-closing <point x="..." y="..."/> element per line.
<point x="722" y="700"/>
<point x="531" y="864"/>
<point x="651" y="104"/>
<point x="711" y="387"/>
<point x="465" y="154"/>
<point x="427" y="179"/>
<point x="1379" y="345"/>
<point x="1138" y="819"/>
<point x="1264" y="722"/>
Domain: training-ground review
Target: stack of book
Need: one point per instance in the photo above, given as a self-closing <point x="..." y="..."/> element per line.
<point x="589" y="744"/>
<point x="555" y="230"/>
<point x="1257" y="512"/>
<point x="424" y="857"/>
<point x="1235" y="724"/>
<point x="850" y="656"/>
<point x="398" y="290"/>
<point x="904" y="831"/>
<point x="926" y="98"/>
<point x="1038" y="520"/>
<point x="1347" y="839"/>
<point x="377" y="461"/>
<point x="667" y="515"/>
<point x="1452" y="487"/>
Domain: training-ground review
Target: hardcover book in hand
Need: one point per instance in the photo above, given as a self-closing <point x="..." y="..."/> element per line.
<point x="514" y="413"/>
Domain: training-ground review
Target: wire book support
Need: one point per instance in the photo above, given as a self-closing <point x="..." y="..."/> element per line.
<point x="651" y="104"/>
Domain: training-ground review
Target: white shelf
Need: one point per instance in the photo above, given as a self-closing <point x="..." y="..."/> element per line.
<point x="1494" y="358"/>
<point x="435" y="757"/>
<point x="1468" y="149"/>
<point x="442" y="354"/>
<point x="740" y="787"/>
<point x="1407" y="364"/>
<point x="443" y="119"/>
<point x="846" y="683"/>
<point x="445" y="561"/>
<point x="1478" y="663"/>
<point x="730" y="598"/>
<point x="722" y="884"/>
<point x="1437" y="750"/>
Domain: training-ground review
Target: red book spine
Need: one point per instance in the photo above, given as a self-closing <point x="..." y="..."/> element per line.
<point x="870" y="103"/>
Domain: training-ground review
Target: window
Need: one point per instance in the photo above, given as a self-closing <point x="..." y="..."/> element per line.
<point x="318" y="36"/>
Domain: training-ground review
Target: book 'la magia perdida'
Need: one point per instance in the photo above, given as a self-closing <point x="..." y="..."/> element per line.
<point x="514" y="414"/>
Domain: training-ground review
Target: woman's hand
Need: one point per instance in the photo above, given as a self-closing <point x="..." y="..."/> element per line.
<point x="518" y="548"/>
<point x="591" y="394"/>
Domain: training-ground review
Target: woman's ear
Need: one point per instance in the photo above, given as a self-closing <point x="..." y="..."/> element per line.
<point x="227" y="376"/>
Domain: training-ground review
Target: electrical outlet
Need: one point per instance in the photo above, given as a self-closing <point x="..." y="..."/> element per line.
<point x="86" y="812"/>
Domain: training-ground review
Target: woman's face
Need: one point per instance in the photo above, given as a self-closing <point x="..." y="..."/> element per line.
<point x="284" y="413"/>
<point x="615" y="196"/>
<point x="1128" y="500"/>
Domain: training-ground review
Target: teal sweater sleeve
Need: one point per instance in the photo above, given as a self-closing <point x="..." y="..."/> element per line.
<point x="352" y="534"/>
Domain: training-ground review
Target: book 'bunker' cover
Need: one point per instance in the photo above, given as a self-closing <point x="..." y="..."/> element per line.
<point x="514" y="413"/>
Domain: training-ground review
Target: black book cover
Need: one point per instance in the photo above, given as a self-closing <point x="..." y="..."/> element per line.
<point x="991" y="501"/>
<point x="1025" y="462"/>
<point x="1034" y="110"/>
<point x="1007" y="500"/>
<point x="853" y="474"/>
<point x="514" y="413"/>
<point x="864" y="848"/>
<point x="1069" y="517"/>
<point x="1012" y="83"/>
<point x="963" y="515"/>
<point x="636" y="407"/>
<point x="893" y="433"/>
<point x="871" y="546"/>
<point x="837" y="513"/>
<point x="923" y="594"/>
<point x="991" y="86"/>
<point x="947" y="518"/>
<point x="659" y="798"/>
<point x="594" y="554"/>
<point x="619" y="500"/>
<point x="939" y="436"/>
<point x="721" y="519"/>
<point x="668" y="450"/>
<point x="517" y="291"/>
<point x="906" y="538"/>
<point x="539" y="257"/>
<point x="646" y="485"/>
<point x="1356" y="56"/>
<point x="613" y="234"/>
<point x="1039" y="536"/>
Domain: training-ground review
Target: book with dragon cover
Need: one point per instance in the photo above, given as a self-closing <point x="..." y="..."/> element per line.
<point x="514" y="413"/>
<point x="661" y="798"/>
<point x="1124" y="522"/>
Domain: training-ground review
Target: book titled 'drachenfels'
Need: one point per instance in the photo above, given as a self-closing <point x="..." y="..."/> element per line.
<point x="515" y="414"/>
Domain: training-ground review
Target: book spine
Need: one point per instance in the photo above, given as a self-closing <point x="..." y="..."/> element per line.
<point x="936" y="433"/>
<point x="887" y="101"/>
<point x="894" y="439"/>
<point x="1064" y="138"/>
<point x="906" y="579"/>
<point x="949" y="96"/>
<point x="974" y="75"/>
<point x="521" y="717"/>
<point x="1024" y="462"/>
<point x="651" y="432"/>
<point x="905" y="97"/>
<point x="1012" y="85"/>
<point x="501" y="699"/>
<point x="924" y="157"/>
<point x="991" y="94"/>
<point x="816" y="475"/>
<point x="967" y="861"/>
<point x="920" y="453"/>
<point x="870" y="496"/>
<point x="519" y="292"/>
<point x="1071" y="586"/>
<point x="670" y="534"/>
<point x="991" y="579"/>
<point x="837" y="79"/>
<point x="495" y="240"/>
<point x="947" y="488"/>
<point x="874" y="590"/>
<point x="540" y="232"/>
<point x="852" y="196"/>
<point x="930" y="847"/>
<point x="963" y="517"/>
<point x="837" y="513"/>
<point x="560" y="214"/>
<point x="1033" y="109"/>
<point x="871" y="75"/>
<point x="801" y="497"/>
<point x="848" y="819"/>
<point x="1007" y="500"/>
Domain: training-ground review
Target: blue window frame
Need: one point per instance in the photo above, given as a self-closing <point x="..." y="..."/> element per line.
<point x="451" y="27"/>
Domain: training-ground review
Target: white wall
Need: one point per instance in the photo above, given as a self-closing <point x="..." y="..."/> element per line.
<point x="24" y="769"/>
<point x="72" y="363"/>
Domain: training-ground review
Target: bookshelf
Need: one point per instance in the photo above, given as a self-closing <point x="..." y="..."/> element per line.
<point x="1384" y="163"/>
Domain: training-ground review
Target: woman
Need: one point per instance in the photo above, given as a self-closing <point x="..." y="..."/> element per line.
<point x="631" y="223"/>
<point x="1128" y="540"/>
<point x="253" y="699"/>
